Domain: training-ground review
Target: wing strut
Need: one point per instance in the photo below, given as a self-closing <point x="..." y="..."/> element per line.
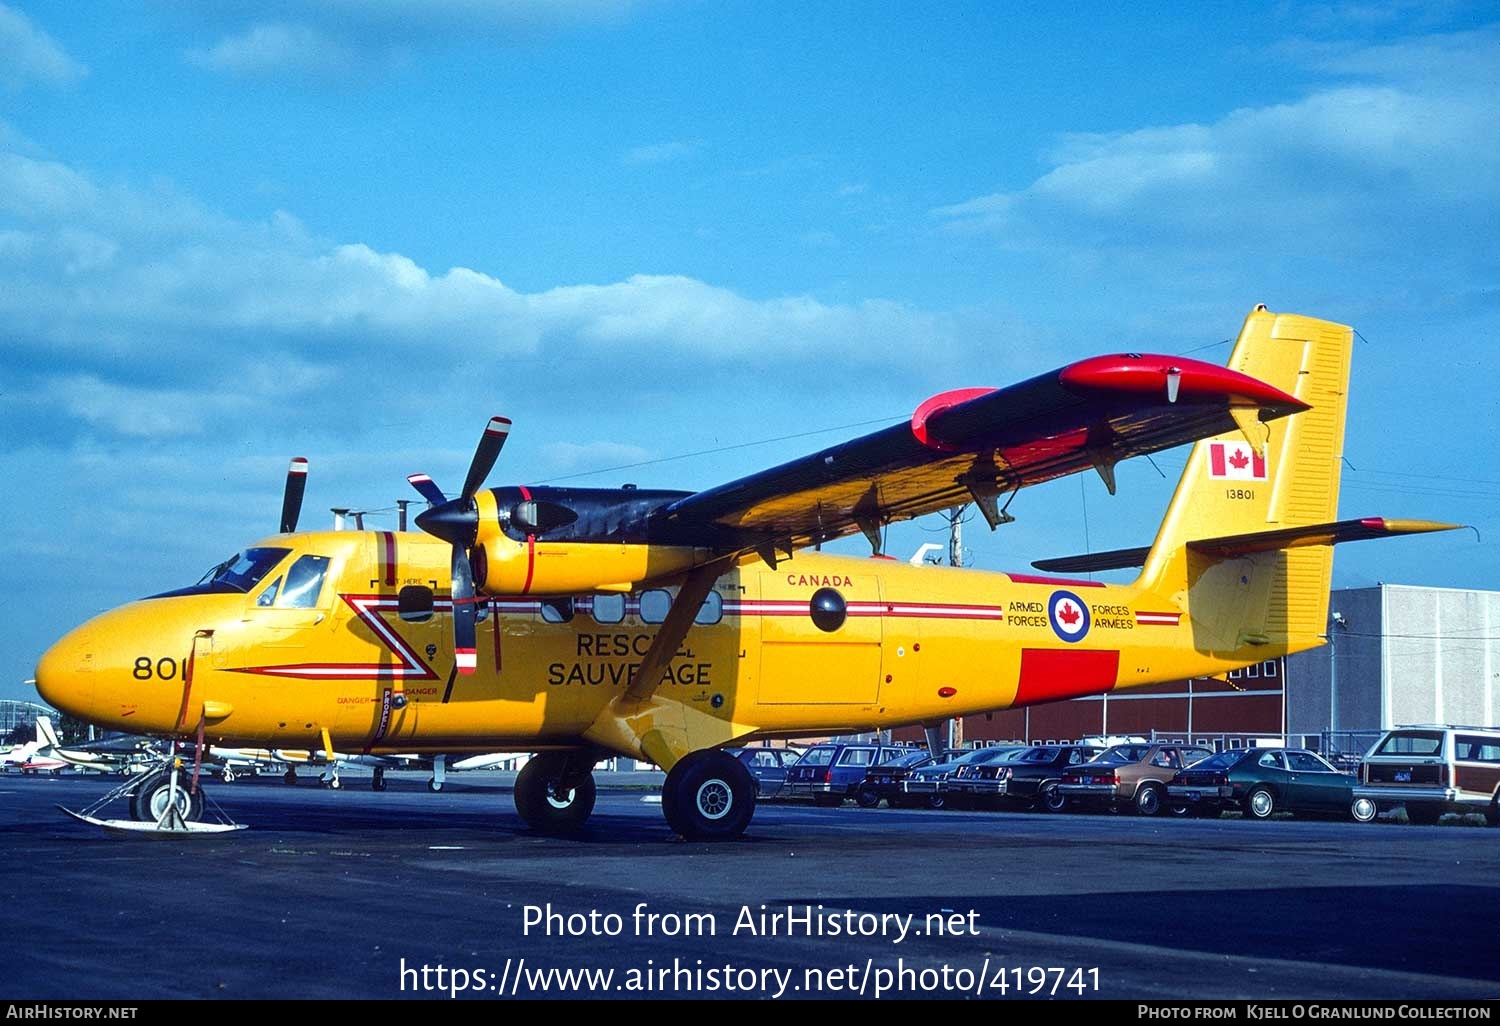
<point x="648" y="676"/>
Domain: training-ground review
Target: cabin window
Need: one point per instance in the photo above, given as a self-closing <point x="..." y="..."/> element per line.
<point x="304" y="582"/>
<point x="655" y="605"/>
<point x="609" y="608"/>
<point x="712" y="610"/>
<point x="557" y="610"/>
<point x="414" y="603"/>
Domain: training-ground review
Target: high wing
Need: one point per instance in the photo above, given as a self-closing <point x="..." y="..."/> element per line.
<point x="979" y="444"/>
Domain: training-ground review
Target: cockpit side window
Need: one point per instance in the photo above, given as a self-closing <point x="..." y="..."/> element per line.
<point x="304" y="583"/>
<point x="268" y="597"/>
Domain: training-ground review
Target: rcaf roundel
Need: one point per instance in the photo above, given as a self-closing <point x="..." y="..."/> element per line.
<point x="1235" y="461"/>
<point x="1068" y="615"/>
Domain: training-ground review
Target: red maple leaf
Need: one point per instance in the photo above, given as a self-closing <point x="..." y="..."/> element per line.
<point x="1239" y="460"/>
<point x="1067" y="614"/>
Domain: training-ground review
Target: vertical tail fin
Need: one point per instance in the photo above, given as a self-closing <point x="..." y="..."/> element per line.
<point x="46" y="734"/>
<point x="1264" y="477"/>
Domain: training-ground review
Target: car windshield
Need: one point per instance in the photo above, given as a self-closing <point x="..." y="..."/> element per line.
<point x="1036" y="753"/>
<point x="1121" y="754"/>
<point x="1223" y="760"/>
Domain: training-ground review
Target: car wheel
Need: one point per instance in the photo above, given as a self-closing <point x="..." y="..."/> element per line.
<point x="866" y="799"/>
<point x="1492" y="814"/>
<point x="1183" y="811"/>
<point x="1423" y="815"/>
<point x="1148" y="800"/>
<point x="935" y="801"/>
<point x="1051" y="798"/>
<point x="1363" y="810"/>
<point x="1261" y="803"/>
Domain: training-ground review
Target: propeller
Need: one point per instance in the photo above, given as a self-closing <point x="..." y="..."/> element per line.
<point x="291" y="499"/>
<point x="456" y="521"/>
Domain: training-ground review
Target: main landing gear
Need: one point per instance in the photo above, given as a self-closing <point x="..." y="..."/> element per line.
<point x="555" y="792"/>
<point x="708" y="796"/>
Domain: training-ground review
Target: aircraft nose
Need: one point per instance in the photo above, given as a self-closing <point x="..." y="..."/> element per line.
<point x="65" y="675"/>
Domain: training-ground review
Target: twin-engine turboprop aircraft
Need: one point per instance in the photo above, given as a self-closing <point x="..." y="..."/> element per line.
<point x="577" y="623"/>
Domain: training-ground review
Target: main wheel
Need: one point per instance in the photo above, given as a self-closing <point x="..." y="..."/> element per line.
<point x="1261" y="803"/>
<point x="549" y="798"/>
<point x="708" y="796"/>
<point x="290" y="776"/>
<point x="152" y="798"/>
<point x="1363" y="810"/>
<point x="377" y="779"/>
<point x="1147" y="800"/>
<point x="1050" y="797"/>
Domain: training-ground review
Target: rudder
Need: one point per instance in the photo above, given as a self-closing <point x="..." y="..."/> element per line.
<point x="1267" y="603"/>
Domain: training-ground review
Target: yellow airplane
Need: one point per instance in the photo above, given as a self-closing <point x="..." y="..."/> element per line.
<point x="582" y="623"/>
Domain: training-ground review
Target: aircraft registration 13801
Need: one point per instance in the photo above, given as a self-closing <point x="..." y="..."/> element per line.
<point x="579" y="623"/>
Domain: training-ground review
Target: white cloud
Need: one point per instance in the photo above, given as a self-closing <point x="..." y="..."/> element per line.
<point x="322" y="39"/>
<point x="277" y="48"/>
<point x="27" y="54"/>
<point x="1419" y="133"/>
<point x="659" y="153"/>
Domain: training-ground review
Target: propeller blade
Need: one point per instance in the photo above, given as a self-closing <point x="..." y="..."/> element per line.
<point x="291" y="500"/>
<point x="463" y="612"/>
<point x="428" y="489"/>
<point x="486" y="454"/>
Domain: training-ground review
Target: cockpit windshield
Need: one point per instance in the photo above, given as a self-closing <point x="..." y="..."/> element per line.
<point x="242" y="571"/>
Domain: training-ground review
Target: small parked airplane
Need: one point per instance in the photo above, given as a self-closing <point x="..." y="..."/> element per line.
<point x="666" y="626"/>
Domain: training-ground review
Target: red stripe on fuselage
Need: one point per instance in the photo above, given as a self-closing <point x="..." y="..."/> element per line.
<point x="530" y="548"/>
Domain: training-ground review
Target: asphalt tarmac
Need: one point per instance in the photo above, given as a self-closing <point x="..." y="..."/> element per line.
<point x="354" y="894"/>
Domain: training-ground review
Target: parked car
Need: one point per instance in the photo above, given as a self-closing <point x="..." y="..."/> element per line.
<point x="1130" y="777"/>
<point x="829" y="773"/>
<point x="1030" y="777"/>
<point x="1430" y="770"/>
<point x="926" y="784"/>
<point x="1261" y="782"/>
<point x="975" y="783"/>
<point x="768" y="766"/>
<point x="884" y="781"/>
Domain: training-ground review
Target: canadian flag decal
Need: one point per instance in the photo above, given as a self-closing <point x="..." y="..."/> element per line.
<point x="1235" y="461"/>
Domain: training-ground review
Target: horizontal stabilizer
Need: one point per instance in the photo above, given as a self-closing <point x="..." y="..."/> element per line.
<point x="1234" y="545"/>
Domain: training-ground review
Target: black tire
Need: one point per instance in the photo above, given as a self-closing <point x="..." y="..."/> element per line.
<point x="1260" y="803"/>
<point x="1363" y="810"/>
<point x="1049" y="797"/>
<point x="377" y="779"/>
<point x="866" y="799"/>
<point x="435" y="787"/>
<point x="549" y="800"/>
<point x="708" y="796"/>
<point x="1492" y="813"/>
<point x="1148" y="800"/>
<point x="290" y="776"/>
<point x="151" y="796"/>
<point x="935" y="801"/>
<point x="1423" y="815"/>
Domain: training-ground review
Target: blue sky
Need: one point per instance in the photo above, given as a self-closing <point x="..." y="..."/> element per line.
<point x="238" y="232"/>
